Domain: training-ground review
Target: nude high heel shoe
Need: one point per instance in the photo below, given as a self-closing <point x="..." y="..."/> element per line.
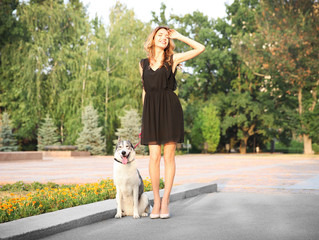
<point x="164" y="215"/>
<point x="154" y="215"/>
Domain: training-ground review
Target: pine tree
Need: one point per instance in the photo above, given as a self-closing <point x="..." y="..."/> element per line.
<point x="90" y="138"/>
<point x="7" y="140"/>
<point x="130" y="129"/>
<point x="47" y="133"/>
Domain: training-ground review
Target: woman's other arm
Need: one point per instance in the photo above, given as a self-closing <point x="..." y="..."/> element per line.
<point x="141" y="72"/>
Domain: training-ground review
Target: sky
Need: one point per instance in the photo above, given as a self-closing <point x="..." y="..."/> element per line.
<point x="143" y="8"/>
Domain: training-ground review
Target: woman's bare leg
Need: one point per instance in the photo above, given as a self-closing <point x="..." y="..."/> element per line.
<point x="169" y="160"/>
<point x="154" y="170"/>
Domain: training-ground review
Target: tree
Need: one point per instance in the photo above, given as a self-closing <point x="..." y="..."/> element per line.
<point x="36" y="70"/>
<point x="211" y="127"/>
<point x="219" y="75"/>
<point x="7" y="141"/>
<point x="130" y="129"/>
<point x="48" y="134"/>
<point x="11" y="29"/>
<point x="90" y="138"/>
<point x="123" y="51"/>
<point x="284" y="50"/>
<point x="205" y="133"/>
<point x="246" y="110"/>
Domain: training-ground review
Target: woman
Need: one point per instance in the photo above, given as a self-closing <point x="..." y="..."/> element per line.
<point x="162" y="121"/>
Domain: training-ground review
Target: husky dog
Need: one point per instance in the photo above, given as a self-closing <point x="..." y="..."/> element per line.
<point x="130" y="197"/>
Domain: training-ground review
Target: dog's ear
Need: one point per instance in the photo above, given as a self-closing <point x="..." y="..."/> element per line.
<point x="132" y="145"/>
<point x="118" y="139"/>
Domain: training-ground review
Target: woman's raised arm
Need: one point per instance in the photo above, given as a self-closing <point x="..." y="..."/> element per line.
<point x="198" y="48"/>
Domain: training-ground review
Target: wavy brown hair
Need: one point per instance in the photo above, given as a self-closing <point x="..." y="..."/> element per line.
<point x="149" y="47"/>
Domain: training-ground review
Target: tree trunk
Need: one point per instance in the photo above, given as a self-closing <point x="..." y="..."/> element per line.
<point x="107" y="84"/>
<point x="205" y="147"/>
<point x="243" y="146"/>
<point x="61" y="132"/>
<point x="307" y="142"/>
<point x="307" y="145"/>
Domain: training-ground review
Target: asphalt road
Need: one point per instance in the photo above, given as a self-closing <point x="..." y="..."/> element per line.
<point x="222" y="216"/>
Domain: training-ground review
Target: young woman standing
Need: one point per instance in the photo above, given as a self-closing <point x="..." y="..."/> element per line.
<point x="162" y="121"/>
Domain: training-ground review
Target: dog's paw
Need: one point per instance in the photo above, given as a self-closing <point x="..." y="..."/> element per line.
<point x="144" y="214"/>
<point x="118" y="215"/>
<point x="136" y="216"/>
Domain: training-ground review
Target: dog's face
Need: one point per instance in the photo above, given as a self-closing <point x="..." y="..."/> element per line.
<point x="124" y="152"/>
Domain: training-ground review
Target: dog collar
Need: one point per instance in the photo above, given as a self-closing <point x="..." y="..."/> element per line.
<point x="121" y="162"/>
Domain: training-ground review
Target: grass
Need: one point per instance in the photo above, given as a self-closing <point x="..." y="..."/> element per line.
<point x="21" y="200"/>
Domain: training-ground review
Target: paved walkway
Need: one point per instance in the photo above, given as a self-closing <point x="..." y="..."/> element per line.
<point x="232" y="172"/>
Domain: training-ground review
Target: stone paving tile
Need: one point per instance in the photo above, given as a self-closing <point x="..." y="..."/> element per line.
<point x="232" y="172"/>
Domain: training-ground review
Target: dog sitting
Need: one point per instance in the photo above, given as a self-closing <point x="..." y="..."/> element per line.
<point x="130" y="197"/>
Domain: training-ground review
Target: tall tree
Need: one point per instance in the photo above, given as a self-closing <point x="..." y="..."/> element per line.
<point x="284" y="49"/>
<point x="244" y="107"/>
<point x="38" y="69"/>
<point x="220" y="75"/>
<point x="123" y="50"/>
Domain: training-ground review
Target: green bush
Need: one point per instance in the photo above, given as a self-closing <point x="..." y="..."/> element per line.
<point x="315" y="148"/>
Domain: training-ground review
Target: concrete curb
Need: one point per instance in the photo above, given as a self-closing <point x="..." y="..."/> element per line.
<point x="43" y="225"/>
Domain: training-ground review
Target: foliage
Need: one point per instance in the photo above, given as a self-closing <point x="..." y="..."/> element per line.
<point x="62" y="62"/>
<point x="259" y="69"/>
<point x="130" y="129"/>
<point x="284" y="50"/>
<point x="210" y="127"/>
<point x="315" y="148"/>
<point x="47" y="133"/>
<point x="38" y="69"/>
<point x="90" y="138"/>
<point x="10" y="28"/>
<point x="220" y="76"/>
<point x="8" y="142"/>
<point x="293" y="147"/>
<point x="197" y="138"/>
<point x="205" y="133"/>
<point x="51" y="197"/>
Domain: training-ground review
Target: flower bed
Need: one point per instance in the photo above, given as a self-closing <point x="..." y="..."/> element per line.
<point x="26" y="200"/>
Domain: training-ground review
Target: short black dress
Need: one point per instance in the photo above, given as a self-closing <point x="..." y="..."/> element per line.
<point x="162" y="119"/>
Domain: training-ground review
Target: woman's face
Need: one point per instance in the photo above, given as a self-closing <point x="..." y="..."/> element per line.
<point x="161" y="39"/>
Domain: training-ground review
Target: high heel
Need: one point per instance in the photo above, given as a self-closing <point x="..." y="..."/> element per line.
<point x="164" y="216"/>
<point x="154" y="215"/>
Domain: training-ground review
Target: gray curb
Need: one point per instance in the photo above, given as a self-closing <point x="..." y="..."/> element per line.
<point x="43" y="225"/>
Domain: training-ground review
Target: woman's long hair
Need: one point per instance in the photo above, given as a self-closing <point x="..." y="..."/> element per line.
<point x="149" y="47"/>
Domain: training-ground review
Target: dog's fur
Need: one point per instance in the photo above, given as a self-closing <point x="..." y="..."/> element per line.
<point x="130" y="197"/>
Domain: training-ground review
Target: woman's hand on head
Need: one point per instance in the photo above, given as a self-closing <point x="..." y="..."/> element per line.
<point x="173" y="34"/>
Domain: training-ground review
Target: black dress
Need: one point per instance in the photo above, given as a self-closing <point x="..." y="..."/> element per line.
<point x="162" y="119"/>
